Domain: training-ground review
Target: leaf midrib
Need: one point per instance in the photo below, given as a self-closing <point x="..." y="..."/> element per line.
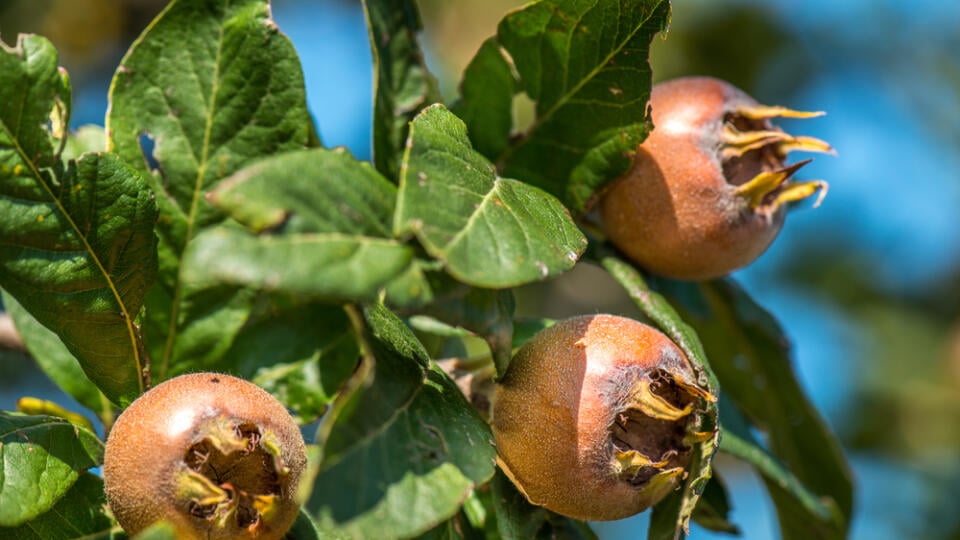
<point x="125" y="313"/>
<point x="194" y="204"/>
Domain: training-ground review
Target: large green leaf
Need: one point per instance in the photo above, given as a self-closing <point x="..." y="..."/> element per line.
<point x="41" y="457"/>
<point x="402" y="83"/>
<point x="77" y="248"/>
<point x="671" y="517"/>
<point x="325" y="219"/>
<point x="750" y="356"/>
<point x="400" y="364"/>
<point x="408" y="467"/>
<point x="209" y="87"/>
<point x="328" y="267"/>
<point x="80" y="513"/>
<point x="488" y="231"/>
<point x="79" y="255"/>
<point x="55" y="359"/>
<point x="584" y="64"/>
<point x="310" y="191"/>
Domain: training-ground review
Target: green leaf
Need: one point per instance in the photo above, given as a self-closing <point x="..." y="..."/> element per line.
<point x="80" y="513"/>
<point x="486" y="104"/>
<point x="803" y="513"/>
<point x="671" y="517"/>
<point x="326" y="213"/>
<point x="33" y="92"/>
<point x="584" y="64"/>
<point x="326" y="267"/>
<point x="208" y="88"/>
<point x="402" y="83"/>
<point x="517" y="519"/>
<point x="41" y="457"/>
<point x="488" y="231"/>
<point x="408" y="467"/>
<point x="160" y="530"/>
<point x="400" y="371"/>
<point x="304" y="528"/>
<point x="750" y="356"/>
<point x="77" y="248"/>
<point x="487" y="313"/>
<point x="55" y="360"/>
<point x="209" y="319"/>
<point x="309" y="191"/>
<point x="300" y="354"/>
<point x="411" y="289"/>
<point x="78" y="253"/>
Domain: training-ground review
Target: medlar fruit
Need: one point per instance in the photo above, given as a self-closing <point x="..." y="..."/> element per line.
<point x="214" y="455"/>
<point x="708" y="188"/>
<point x="596" y="416"/>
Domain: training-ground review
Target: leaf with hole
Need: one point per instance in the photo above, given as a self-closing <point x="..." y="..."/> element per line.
<point x="208" y="88"/>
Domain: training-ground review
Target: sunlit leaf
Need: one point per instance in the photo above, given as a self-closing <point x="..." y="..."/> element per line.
<point x="323" y="267"/>
<point x="310" y="191"/>
<point x="208" y="88"/>
<point x="584" y="64"/>
<point x="486" y="105"/>
<point x="80" y="513"/>
<point x="77" y="248"/>
<point x="41" y="457"/>
<point x="488" y="231"/>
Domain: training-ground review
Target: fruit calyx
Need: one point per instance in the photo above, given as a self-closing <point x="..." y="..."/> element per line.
<point x="232" y="472"/>
<point x="749" y="141"/>
<point x="650" y="433"/>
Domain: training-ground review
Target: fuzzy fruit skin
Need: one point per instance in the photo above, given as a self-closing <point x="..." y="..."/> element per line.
<point x="148" y="442"/>
<point x="675" y="213"/>
<point x="553" y="409"/>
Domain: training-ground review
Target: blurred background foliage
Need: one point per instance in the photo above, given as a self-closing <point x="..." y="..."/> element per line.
<point x="868" y="285"/>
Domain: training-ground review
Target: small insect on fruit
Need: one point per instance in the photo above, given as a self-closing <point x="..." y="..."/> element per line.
<point x="709" y="186"/>
<point x="214" y="455"/>
<point x="596" y="416"/>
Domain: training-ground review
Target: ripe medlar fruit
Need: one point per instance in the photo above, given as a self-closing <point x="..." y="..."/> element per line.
<point x="214" y="455"/>
<point x="596" y="416"/>
<point x="708" y="188"/>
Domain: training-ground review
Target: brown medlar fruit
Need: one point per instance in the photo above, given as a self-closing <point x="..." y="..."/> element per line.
<point x="708" y="188"/>
<point x="214" y="455"/>
<point x="596" y="416"/>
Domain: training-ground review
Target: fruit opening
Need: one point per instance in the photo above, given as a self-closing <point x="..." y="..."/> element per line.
<point x="752" y="147"/>
<point x="232" y="475"/>
<point x="648" y="434"/>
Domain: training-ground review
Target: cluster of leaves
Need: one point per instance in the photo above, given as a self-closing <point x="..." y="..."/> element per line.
<point x="206" y="228"/>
